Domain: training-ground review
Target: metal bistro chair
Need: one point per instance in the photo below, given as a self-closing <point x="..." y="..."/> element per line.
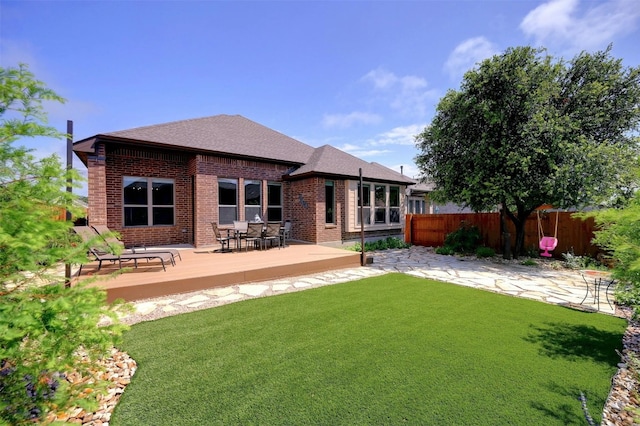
<point x="272" y="234"/>
<point x="240" y="229"/>
<point x="254" y="233"/>
<point x="285" y="233"/>
<point x="224" y="241"/>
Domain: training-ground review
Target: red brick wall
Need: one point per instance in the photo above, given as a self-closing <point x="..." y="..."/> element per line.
<point x="160" y="164"/>
<point x="209" y="169"/>
<point x="196" y="195"/>
<point x="97" y="187"/>
<point x="306" y="201"/>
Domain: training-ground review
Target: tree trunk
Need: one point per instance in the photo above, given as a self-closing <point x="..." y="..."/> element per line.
<point x="504" y="233"/>
<point x="519" y="222"/>
<point x="519" y="248"/>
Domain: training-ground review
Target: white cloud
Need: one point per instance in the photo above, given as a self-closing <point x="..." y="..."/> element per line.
<point x="381" y="78"/>
<point x="561" y="22"/>
<point x="349" y="120"/>
<point x="362" y="152"/>
<point x="405" y="94"/>
<point x="467" y="54"/>
<point x="404" y="135"/>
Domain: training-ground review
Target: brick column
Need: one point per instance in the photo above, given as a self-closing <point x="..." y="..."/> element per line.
<point x="97" y="187"/>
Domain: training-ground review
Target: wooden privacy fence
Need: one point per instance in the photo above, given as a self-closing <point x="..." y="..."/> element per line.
<point x="574" y="235"/>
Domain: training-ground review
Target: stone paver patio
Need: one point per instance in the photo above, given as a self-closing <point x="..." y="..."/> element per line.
<point x="563" y="287"/>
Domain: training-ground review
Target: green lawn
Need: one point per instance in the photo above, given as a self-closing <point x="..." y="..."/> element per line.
<point x="383" y="351"/>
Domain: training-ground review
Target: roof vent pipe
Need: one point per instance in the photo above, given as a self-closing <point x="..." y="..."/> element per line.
<point x="401" y="172"/>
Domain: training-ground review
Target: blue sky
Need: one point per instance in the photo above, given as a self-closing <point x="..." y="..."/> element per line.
<point x="363" y="76"/>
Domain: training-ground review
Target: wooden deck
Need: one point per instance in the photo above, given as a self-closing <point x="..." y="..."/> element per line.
<point x="202" y="268"/>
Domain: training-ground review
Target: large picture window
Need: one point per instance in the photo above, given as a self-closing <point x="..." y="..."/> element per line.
<point x="252" y="199"/>
<point x="382" y="205"/>
<point x="148" y="201"/>
<point x="227" y="201"/>
<point x="329" y="192"/>
<point x="274" y="202"/>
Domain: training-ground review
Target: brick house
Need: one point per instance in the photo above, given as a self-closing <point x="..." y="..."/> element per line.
<point x="165" y="184"/>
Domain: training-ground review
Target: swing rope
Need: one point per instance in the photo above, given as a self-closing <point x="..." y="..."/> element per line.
<point x="541" y="231"/>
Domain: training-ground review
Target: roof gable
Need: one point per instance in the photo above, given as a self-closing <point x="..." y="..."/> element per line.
<point x="238" y="136"/>
<point x="332" y="161"/>
<point x="227" y="134"/>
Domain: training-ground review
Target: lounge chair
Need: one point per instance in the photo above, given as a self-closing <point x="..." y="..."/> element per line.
<point x="163" y="257"/>
<point x="99" y="251"/>
<point x="224" y="241"/>
<point x="111" y="239"/>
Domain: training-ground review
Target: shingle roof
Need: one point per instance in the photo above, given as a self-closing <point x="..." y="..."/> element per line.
<point x="229" y="134"/>
<point x="331" y="161"/>
<point x="239" y="136"/>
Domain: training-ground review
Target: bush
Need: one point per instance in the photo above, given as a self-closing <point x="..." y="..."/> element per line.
<point x="445" y="250"/>
<point x="385" y="244"/>
<point x="485" y="252"/>
<point x="465" y="239"/>
<point x="572" y="261"/>
<point x="44" y="326"/>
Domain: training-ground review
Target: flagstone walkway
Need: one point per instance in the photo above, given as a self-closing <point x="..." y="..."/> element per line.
<point x="564" y="287"/>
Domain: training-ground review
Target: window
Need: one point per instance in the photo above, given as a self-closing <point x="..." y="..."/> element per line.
<point x="227" y="201"/>
<point x="381" y="204"/>
<point x="417" y="206"/>
<point x="274" y="202"/>
<point x="329" y="192"/>
<point x="252" y="198"/>
<point x="148" y="201"/>
<point x="394" y="204"/>
<point x="366" y="204"/>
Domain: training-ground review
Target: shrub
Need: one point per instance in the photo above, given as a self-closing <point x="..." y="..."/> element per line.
<point x="572" y="261"/>
<point x="445" y="250"/>
<point x="44" y="326"/>
<point x="465" y="239"/>
<point x="485" y="252"/>
<point x="385" y="244"/>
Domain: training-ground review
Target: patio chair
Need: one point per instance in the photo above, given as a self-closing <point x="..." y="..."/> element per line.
<point x="224" y="241"/>
<point x="254" y="233"/>
<point x="240" y="229"/>
<point x="285" y="233"/>
<point x="272" y="234"/>
<point x="113" y="241"/>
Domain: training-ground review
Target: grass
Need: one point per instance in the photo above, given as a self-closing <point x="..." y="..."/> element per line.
<point x="386" y="350"/>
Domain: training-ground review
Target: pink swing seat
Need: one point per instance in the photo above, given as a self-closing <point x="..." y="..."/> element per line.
<point x="548" y="244"/>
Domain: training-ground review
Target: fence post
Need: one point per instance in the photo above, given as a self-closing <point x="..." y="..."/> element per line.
<point x="408" y="231"/>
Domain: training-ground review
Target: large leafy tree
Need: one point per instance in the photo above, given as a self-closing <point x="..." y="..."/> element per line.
<point x="526" y="129"/>
<point x="44" y="326"/>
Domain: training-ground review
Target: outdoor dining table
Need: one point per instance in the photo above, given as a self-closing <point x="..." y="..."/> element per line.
<point x="238" y="234"/>
<point x="596" y="280"/>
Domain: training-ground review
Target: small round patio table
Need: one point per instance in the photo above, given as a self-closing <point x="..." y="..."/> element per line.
<point x="596" y="279"/>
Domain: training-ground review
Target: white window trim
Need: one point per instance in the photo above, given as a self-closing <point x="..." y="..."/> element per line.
<point x="352" y="203"/>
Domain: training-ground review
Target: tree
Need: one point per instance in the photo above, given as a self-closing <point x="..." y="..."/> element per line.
<point x="44" y="326"/>
<point x="525" y="130"/>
